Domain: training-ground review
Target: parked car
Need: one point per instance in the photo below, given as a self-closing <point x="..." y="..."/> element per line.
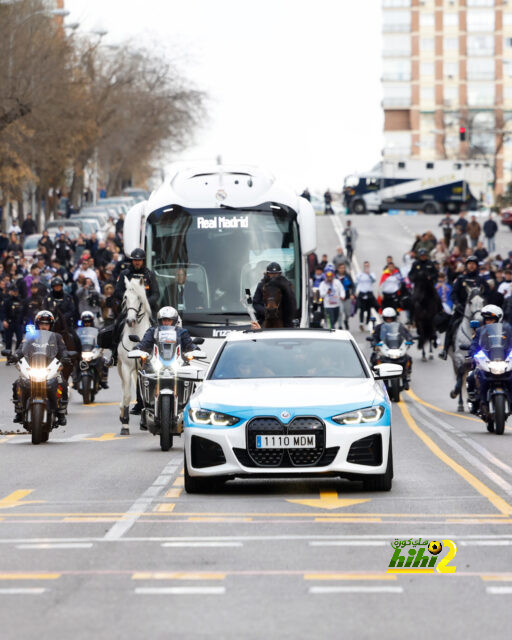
<point x="30" y="243"/>
<point x="506" y="217"/>
<point x="137" y="193"/>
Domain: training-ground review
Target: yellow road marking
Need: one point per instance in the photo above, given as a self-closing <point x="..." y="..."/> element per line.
<point x="8" y="437"/>
<point x="438" y="409"/>
<point x="329" y="500"/>
<point x="165" y="507"/>
<point x="107" y="437"/>
<point x="348" y="576"/>
<point x="349" y="519"/>
<point x="179" y="482"/>
<point x="177" y="575"/>
<point x="182" y="472"/>
<point x="217" y="519"/>
<point x="102" y="404"/>
<point x="498" y="577"/>
<point x="478" y="521"/>
<point x="3" y="359"/>
<point x="173" y="493"/>
<point x="498" y="502"/>
<point x="90" y="519"/>
<point x="15" y="499"/>
<point x="410" y="571"/>
<point x="29" y="576"/>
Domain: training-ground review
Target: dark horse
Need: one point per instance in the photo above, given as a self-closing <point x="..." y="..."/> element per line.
<point x="279" y="303"/>
<point x="425" y="305"/>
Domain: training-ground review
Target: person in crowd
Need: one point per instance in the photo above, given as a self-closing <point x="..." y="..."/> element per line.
<point x="461" y="223"/>
<point x="446" y="225"/>
<point x="390" y="284"/>
<point x="474" y="231"/>
<point x="480" y="251"/>
<point x="340" y="258"/>
<point x="444" y="291"/>
<point x="490" y="230"/>
<point x="333" y="294"/>
<point x="28" y="226"/>
<point x="350" y="234"/>
<point x="328" y="202"/>
<point x="365" y="281"/>
<point x="348" y="302"/>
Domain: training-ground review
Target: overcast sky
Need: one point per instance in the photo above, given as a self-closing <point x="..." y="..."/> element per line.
<point x="293" y="85"/>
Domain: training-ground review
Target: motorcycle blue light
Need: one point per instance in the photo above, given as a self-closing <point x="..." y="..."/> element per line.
<point x="30" y="329"/>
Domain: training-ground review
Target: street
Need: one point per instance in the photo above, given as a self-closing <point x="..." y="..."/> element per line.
<point x="99" y="539"/>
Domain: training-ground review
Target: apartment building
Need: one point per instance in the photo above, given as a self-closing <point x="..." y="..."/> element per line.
<point x="448" y="64"/>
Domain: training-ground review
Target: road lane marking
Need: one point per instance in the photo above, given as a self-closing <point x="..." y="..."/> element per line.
<point x="329" y="500"/>
<point x="347" y="543"/>
<point x="349" y="576"/>
<point x="22" y="591"/>
<point x="179" y="482"/>
<point x="486" y="543"/>
<point x="354" y="589"/>
<point x="202" y="544"/>
<point x="173" y="493"/>
<point x="498" y="502"/>
<point x="438" y="409"/>
<point x="347" y="519"/>
<point x="497" y="577"/>
<point x="177" y="575"/>
<point x="56" y="545"/>
<point x="499" y="591"/>
<point x="165" y="507"/>
<point x="108" y="437"/>
<point x="140" y="506"/>
<point x="8" y="437"/>
<point x="180" y="591"/>
<point x="15" y="499"/>
<point x="217" y="519"/>
<point x="19" y="575"/>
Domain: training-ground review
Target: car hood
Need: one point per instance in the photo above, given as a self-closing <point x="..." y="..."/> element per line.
<point x="296" y="396"/>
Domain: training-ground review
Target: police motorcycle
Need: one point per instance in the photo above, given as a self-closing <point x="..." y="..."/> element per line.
<point x="493" y="371"/>
<point x="38" y="391"/>
<point x="88" y="380"/>
<point x="166" y="381"/>
<point x="392" y="348"/>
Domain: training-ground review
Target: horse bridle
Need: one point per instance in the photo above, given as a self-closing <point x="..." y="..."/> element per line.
<point x="138" y="313"/>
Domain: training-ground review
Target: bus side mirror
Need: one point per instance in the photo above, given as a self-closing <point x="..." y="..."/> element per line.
<point x="198" y="340"/>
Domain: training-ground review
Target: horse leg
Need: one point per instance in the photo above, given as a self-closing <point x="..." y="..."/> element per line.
<point x="430" y="357"/>
<point x="124" y="406"/>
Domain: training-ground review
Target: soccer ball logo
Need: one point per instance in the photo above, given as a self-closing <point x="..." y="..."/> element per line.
<point x="435" y="547"/>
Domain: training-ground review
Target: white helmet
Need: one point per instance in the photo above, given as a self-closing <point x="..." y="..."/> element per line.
<point x="492" y="311"/>
<point x="87" y="315"/>
<point x="388" y="312"/>
<point x="170" y="313"/>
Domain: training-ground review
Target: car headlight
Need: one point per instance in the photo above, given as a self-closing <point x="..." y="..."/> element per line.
<point x="360" y="416"/>
<point x="38" y="375"/>
<point x="212" y="418"/>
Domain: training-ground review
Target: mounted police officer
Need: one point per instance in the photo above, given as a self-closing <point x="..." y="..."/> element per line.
<point x="138" y="269"/>
<point x="464" y="283"/>
<point x="423" y="268"/>
<point x="288" y="307"/>
<point x="60" y="304"/>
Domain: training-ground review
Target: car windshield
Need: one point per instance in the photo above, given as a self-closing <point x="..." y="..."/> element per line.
<point x="31" y="242"/>
<point x="495" y="341"/>
<point x="288" y="358"/>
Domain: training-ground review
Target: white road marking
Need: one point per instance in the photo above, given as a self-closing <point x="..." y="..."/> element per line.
<point x="56" y="545"/>
<point x="486" y="543"/>
<point x="355" y="589"/>
<point x="141" y="504"/>
<point x="21" y="591"/>
<point x="180" y="591"/>
<point x="347" y="543"/>
<point x="23" y="438"/>
<point x="202" y="544"/>
<point x="499" y="591"/>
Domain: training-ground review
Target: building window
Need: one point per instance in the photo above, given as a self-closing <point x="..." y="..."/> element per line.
<point x="427" y="94"/>
<point x="507" y="68"/>
<point x="397" y="70"/>
<point x="480" y="3"/>
<point x="451" y="44"/>
<point x="507" y="43"/>
<point x="450" y="19"/>
<point x="507" y="19"/>
<point x="508" y="92"/>
<point x="480" y="68"/>
<point x="481" y="94"/>
<point x="427" y="69"/>
<point x="396" y="21"/>
<point x="396" y="3"/>
<point x="397" y="143"/>
<point x="451" y="69"/>
<point x="451" y="95"/>
<point x="480" y="46"/>
<point x="451" y="142"/>
<point x="396" y="45"/>
<point x="480" y="20"/>
<point x="401" y="165"/>
<point x="483" y="140"/>
<point x="426" y="19"/>
<point x="427" y="44"/>
<point x="397" y="95"/>
<point x="429" y="165"/>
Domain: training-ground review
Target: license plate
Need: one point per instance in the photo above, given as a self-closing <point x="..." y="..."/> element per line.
<point x="286" y="442"/>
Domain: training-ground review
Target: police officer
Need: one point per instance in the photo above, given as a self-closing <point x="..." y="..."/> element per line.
<point x="87" y="320"/>
<point x="423" y="268"/>
<point x="138" y="269"/>
<point x="288" y="306"/>
<point x="35" y="303"/>
<point x="60" y="303"/>
<point x="467" y="280"/>
<point x="13" y="317"/>
<point x="390" y="315"/>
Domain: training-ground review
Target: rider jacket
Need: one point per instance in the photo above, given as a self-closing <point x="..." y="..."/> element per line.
<point x="183" y="337"/>
<point x="150" y="284"/>
<point x="62" y="305"/>
<point x="467" y="281"/>
<point x="423" y="270"/>
<point x="475" y="345"/>
<point x="288" y="305"/>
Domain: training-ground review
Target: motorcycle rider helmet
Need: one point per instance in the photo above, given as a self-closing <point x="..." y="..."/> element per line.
<point x="169" y="313"/>
<point x="274" y="268"/>
<point x="422" y="252"/>
<point x="87" y="319"/>
<point x="472" y="259"/>
<point x="492" y="312"/>
<point x="45" y="317"/>
<point x="138" y="254"/>
<point x="389" y="312"/>
<point x="57" y="281"/>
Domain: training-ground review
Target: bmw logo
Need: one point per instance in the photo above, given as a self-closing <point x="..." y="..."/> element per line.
<point x="285" y="415"/>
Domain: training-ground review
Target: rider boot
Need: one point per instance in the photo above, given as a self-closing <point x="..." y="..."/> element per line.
<point x="18" y="409"/>
<point x="473" y="394"/>
<point x="104" y="377"/>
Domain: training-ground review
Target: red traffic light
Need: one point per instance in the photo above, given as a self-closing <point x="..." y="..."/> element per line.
<point x="462" y="130"/>
<point x="462" y="134"/>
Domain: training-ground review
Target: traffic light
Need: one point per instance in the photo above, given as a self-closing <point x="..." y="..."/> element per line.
<point x="462" y="134"/>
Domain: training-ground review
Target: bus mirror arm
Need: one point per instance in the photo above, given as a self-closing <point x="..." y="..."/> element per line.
<point x="247" y="304"/>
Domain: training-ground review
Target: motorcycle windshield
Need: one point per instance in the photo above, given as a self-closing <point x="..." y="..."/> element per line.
<point x="167" y="342"/>
<point x="88" y="337"/>
<point x="495" y="342"/>
<point x="40" y="348"/>
<point x="390" y="335"/>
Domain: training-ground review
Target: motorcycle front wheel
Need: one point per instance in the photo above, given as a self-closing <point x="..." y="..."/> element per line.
<point x="499" y="414"/>
<point x="165" y="423"/>
<point x="395" y="390"/>
<point x="38" y="427"/>
<point x="87" y="392"/>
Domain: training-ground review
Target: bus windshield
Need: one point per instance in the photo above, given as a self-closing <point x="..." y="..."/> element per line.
<point x="204" y="259"/>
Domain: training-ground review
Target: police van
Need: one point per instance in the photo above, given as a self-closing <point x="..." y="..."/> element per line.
<point x="433" y="187"/>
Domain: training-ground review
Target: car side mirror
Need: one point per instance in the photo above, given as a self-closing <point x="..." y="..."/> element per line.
<point x="137" y="353"/>
<point x="385" y="371"/>
<point x="133" y="338"/>
<point x="198" y="340"/>
<point x="197" y="354"/>
<point x="191" y="373"/>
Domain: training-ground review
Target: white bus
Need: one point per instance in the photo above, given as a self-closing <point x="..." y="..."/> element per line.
<point x="209" y="233"/>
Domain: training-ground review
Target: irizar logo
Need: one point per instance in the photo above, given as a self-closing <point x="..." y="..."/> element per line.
<point x="223" y="222"/>
<point x="221" y="333"/>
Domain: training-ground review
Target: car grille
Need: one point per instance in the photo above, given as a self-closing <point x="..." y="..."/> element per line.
<point x="245" y="459"/>
<point x="366" y="451"/>
<point x="282" y="457"/>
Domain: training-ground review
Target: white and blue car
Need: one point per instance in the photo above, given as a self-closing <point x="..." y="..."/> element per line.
<point x="290" y="402"/>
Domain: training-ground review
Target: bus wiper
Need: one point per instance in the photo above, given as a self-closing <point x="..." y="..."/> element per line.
<point x="229" y="313"/>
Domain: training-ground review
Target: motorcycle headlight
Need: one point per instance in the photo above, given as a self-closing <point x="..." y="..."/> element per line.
<point x="87" y="355"/>
<point x="212" y="418"/>
<point x="38" y="375"/>
<point x="394" y="353"/>
<point x="360" y="416"/>
<point x="156" y="364"/>
<point x="498" y="368"/>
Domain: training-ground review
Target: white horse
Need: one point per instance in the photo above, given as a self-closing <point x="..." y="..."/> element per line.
<point x="138" y="321"/>
<point x="464" y="336"/>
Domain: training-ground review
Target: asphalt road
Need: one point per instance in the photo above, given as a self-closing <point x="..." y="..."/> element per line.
<point x="98" y="538"/>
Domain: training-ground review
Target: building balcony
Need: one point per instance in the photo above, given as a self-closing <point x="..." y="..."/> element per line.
<point x="396" y="28"/>
<point x="396" y="77"/>
<point x="396" y="103"/>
